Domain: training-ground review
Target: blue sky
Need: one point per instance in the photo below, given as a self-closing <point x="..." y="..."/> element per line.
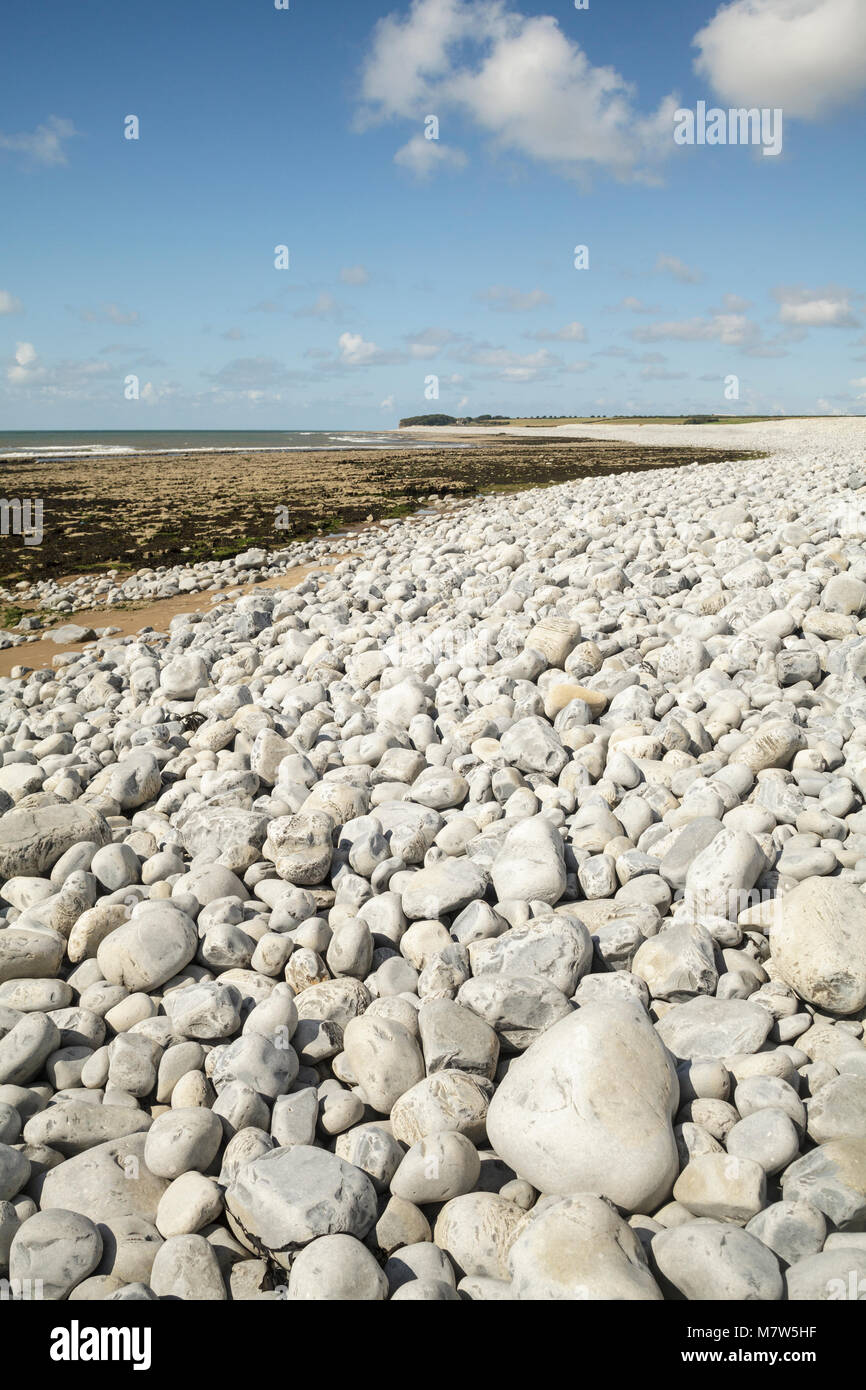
<point x="413" y="258"/>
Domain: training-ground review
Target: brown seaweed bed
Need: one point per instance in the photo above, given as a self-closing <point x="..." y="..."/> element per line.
<point x="126" y="512"/>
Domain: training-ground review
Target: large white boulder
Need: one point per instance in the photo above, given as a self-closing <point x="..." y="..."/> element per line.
<point x="588" y="1108"/>
<point x="818" y="943"/>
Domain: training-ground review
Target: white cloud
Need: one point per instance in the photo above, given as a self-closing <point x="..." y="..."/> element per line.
<point x="572" y="333"/>
<point x="733" y="330"/>
<point x="672" y="265"/>
<point x="422" y="157"/>
<point x="519" y="79"/>
<point x="25" y="366"/>
<point x="355" y="351"/>
<point x="513" y="366"/>
<point x="355" y="275"/>
<point x="801" y="55"/>
<point x="9" y="304"/>
<point x="506" y="300"/>
<point x="825" y="308"/>
<point x="729" y="330"/>
<point x="44" y="145"/>
<point x="65" y="379"/>
<point x="387" y="403"/>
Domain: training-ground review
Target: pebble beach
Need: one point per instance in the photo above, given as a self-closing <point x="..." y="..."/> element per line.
<point x="480" y="918"/>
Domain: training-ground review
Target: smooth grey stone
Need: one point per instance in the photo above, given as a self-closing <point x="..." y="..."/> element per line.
<point x="555" y="948"/>
<point x="72" y="1127"/>
<point x="518" y="1008"/>
<point x="186" y="1268"/>
<point x="605" y="1258"/>
<point x="832" y="1178"/>
<point x="58" y="1248"/>
<point x="280" y="1202"/>
<point x="715" y="1261"/>
<point x="372" y="1148"/>
<point x="181" y="1140"/>
<point x="452" y="1036"/>
<point x="31" y="841"/>
<point x="337" y="1268"/>
<point x="26" y="1047"/>
<point x="792" y="1230"/>
<point x="709" y="1028"/>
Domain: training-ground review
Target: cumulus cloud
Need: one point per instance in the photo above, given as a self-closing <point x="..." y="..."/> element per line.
<point x="44" y="145"/>
<point x="506" y="300"/>
<point x="355" y="351"/>
<point x="672" y="265"/>
<point x="824" y="308"/>
<point x="423" y="157"/>
<point x="9" y="304"/>
<point x="355" y="275"/>
<point x="724" y="328"/>
<point x="25" y="364"/>
<point x="518" y="79"/>
<point x="731" y="330"/>
<point x="70" y="378"/>
<point x="505" y="365"/>
<point x="804" y="56"/>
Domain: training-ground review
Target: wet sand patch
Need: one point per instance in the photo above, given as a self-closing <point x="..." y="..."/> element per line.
<point x="155" y="614"/>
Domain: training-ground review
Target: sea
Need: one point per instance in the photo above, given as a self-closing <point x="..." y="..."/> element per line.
<point x="20" y="445"/>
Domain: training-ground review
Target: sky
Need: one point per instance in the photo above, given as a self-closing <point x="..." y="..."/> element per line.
<point x="429" y="169"/>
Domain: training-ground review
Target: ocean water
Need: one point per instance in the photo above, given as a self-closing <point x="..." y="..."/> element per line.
<point x="19" y="445"/>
